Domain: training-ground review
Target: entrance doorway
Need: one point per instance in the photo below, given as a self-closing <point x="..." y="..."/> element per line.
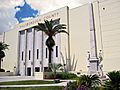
<point x="28" y="71"/>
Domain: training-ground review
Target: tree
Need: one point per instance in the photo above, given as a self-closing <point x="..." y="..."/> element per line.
<point x="54" y="67"/>
<point x="88" y="82"/>
<point x="113" y="83"/>
<point x="3" y="47"/>
<point x="50" y="28"/>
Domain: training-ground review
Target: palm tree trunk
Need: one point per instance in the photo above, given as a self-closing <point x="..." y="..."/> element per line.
<point x="50" y="54"/>
<point x="0" y="63"/>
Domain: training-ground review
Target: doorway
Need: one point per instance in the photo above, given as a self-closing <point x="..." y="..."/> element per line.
<point x="28" y="71"/>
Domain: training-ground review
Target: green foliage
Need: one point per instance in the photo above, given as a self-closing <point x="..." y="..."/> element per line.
<point x="36" y="88"/>
<point x="59" y="75"/>
<point x="54" y="67"/>
<point x="65" y="75"/>
<point x="71" y="86"/>
<point x="27" y="82"/>
<point x="48" y="75"/>
<point x="89" y="81"/>
<point x="50" y="28"/>
<point x="3" y="46"/>
<point x="114" y="81"/>
<point x="57" y="80"/>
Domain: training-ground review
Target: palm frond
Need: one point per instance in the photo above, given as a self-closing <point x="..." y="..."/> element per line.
<point x="62" y="58"/>
<point x="75" y="65"/>
<point x="59" y="26"/>
<point x="73" y="61"/>
<point x="61" y="31"/>
<point x="48" y="25"/>
<point x="3" y="46"/>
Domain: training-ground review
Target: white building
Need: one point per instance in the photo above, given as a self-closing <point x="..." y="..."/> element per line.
<point x="32" y="51"/>
<point x="107" y="25"/>
<point x="2" y="35"/>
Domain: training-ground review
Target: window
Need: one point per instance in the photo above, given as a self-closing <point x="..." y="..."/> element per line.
<point x="29" y="30"/>
<point x="22" y="32"/>
<point x="37" y="53"/>
<point x="29" y="54"/>
<point x="56" y="51"/>
<point x="22" y="55"/>
<point x="37" y="69"/>
<point x="46" y="53"/>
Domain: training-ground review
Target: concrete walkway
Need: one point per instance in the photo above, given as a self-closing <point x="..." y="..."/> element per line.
<point x="15" y="78"/>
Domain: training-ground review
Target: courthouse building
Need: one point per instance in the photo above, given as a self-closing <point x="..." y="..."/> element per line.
<point x="91" y="29"/>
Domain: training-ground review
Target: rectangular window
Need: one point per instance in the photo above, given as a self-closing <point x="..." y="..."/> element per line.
<point x="22" y="55"/>
<point x="46" y="52"/>
<point x="29" y="54"/>
<point x="29" y="30"/>
<point x="37" y="69"/>
<point x="56" y="51"/>
<point x="37" y="53"/>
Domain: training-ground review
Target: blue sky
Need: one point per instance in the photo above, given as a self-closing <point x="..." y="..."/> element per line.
<point x="7" y="11"/>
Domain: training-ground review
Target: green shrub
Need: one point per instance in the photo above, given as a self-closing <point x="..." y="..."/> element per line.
<point x="57" y="80"/>
<point x="48" y="75"/>
<point x="71" y="86"/>
<point x="66" y="75"/>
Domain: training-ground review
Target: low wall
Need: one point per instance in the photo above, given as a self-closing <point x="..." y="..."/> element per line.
<point x="6" y="73"/>
<point x="39" y="75"/>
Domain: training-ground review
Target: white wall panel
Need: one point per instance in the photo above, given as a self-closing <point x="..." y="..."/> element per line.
<point x="22" y="49"/>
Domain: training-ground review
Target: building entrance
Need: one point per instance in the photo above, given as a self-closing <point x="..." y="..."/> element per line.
<point x="29" y="71"/>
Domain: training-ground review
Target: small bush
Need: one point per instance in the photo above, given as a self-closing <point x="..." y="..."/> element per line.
<point x="48" y="75"/>
<point x="2" y="70"/>
<point x="71" y="86"/>
<point x="66" y="75"/>
<point x="57" y="80"/>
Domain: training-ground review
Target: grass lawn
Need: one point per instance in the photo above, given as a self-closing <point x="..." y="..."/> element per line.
<point x="31" y="82"/>
<point x="27" y="82"/>
<point x="36" y="88"/>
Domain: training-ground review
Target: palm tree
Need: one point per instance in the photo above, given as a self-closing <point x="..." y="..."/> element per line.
<point x="88" y="82"/>
<point x="54" y="67"/>
<point x="114" y="81"/>
<point x="3" y="47"/>
<point x="50" y="29"/>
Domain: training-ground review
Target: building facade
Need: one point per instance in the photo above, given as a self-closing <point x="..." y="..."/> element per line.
<point x="32" y="51"/>
<point x="106" y="25"/>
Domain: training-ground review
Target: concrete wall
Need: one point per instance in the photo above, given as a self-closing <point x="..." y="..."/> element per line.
<point x="110" y="28"/>
<point x="107" y="25"/>
<point x="80" y="36"/>
<point x="10" y="60"/>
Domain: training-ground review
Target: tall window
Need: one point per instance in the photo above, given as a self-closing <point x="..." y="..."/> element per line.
<point x="46" y="53"/>
<point x="56" y="51"/>
<point x="22" y="55"/>
<point x="37" y="53"/>
<point x="29" y="54"/>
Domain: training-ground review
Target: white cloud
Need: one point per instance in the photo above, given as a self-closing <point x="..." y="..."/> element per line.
<point x="49" y="5"/>
<point x="7" y="10"/>
<point x="7" y="13"/>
